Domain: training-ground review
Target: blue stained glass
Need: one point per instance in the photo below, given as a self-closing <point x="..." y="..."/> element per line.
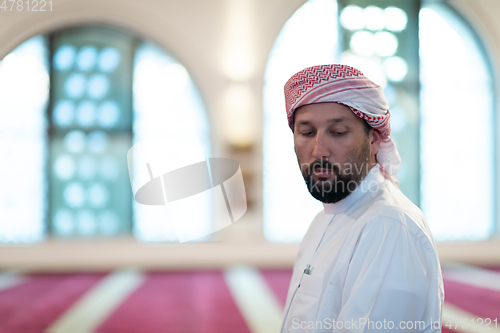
<point x="86" y="167"/>
<point x="75" y="85"/>
<point x="85" y="221"/>
<point x="86" y="113"/>
<point x="74" y="194"/>
<point x="98" y="195"/>
<point x="86" y="58"/>
<point x="63" y="222"/>
<point x="398" y="119"/>
<point x="108" y="223"/>
<point x="395" y="19"/>
<point x="108" y="114"/>
<point x="395" y="68"/>
<point x="109" y="168"/>
<point x="74" y="141"/>
<point x="97" y="141"/>
<point x="390" y="94"/>
<point x="64" y="167"/>
<point x="64" y="57"/>
<point x="109" y="59"/>
<point x="98" y="86"/>
<point x="63" y="113"/>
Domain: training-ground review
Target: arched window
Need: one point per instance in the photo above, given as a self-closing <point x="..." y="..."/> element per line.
<point x="308" y="38"/>
<point x="165" y="93"/>
<point x="24" y="93"/>
<point x="383" y="43"/>
<point x="457" y="128"/>
<point x="67" y="150"/>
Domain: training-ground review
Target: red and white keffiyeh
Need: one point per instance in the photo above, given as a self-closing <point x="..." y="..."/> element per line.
<point x="348" y="86"/>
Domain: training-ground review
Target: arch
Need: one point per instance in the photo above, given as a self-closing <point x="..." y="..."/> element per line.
<point x="312" y="28"/>
<point x="165" y="60"/>
<point x="458" y="134"/>
<point x="129" y="16"/>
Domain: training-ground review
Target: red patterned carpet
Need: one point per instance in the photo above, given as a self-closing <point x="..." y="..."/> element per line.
<point x="197" y="301"/>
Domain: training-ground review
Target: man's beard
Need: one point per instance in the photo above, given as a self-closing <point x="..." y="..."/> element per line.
<point x="343" y="184"/>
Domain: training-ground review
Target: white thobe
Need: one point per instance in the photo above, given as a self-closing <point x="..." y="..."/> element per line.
<point x="368" y="259"/>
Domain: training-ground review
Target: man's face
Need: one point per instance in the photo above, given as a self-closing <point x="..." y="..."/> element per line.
<point x="333" y="150"/>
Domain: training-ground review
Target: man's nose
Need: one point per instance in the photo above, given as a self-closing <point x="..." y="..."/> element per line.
<point x="321" y="149"/>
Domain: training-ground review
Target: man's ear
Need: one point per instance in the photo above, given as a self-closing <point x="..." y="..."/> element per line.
<point x="375" y="139"/>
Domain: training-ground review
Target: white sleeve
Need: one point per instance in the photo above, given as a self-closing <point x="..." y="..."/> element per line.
<point x="386" y="281"/>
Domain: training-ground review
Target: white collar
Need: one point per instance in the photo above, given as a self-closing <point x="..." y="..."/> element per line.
<point x="373" y="177"/>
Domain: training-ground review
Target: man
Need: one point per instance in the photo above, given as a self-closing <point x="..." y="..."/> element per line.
<point x="368" y="261"/>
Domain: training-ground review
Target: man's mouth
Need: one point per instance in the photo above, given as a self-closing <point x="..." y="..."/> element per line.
<point x="323" y="172"/>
